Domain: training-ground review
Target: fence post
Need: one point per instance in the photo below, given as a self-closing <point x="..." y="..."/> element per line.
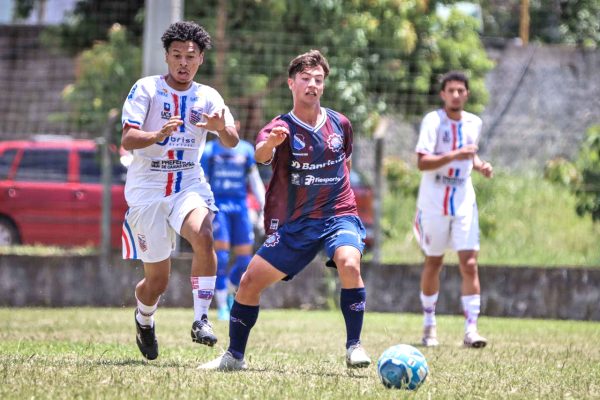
<point x="107" y="172"/>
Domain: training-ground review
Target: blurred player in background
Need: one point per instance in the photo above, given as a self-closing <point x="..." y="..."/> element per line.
<point x="230" y="171"/>
<point x="309" y="207"/>
<point x="165" y="123"/>
<point x="446" y="208"/>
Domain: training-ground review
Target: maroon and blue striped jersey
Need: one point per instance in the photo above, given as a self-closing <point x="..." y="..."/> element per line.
<point x="310" y="172"/>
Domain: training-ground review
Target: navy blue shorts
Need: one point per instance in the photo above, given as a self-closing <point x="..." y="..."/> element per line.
<point x="294" y="245"/>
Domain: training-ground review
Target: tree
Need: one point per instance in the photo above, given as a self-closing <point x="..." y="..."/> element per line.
<point x="386" y="56"/>
<point x="104" y="79"/>
<point x="587" y="187"/>
<point x="89" y="21"/>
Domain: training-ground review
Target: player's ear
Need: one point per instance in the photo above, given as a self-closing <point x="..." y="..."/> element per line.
<point x="201" y="58"/>
<point x="290" y="83"/>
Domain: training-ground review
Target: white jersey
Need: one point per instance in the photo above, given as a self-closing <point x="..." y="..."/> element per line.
<point x="447" y="190"/>
<point x="172" y="165"/>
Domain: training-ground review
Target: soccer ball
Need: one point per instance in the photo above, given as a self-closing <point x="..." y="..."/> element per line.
<point x="402" y="367"/>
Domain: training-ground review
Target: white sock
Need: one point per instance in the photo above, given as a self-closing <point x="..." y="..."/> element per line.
<point x="221" y="297"/>
<point x="203" y="289"/>
<point x="145" y="314"/>
<point x="471" y="306"/>
<point x="428" y="303"/>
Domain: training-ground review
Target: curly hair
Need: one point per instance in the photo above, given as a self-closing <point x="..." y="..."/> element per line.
<point x="183" y="31"/>
<point x="457" y="76"/>
<point x="311" y="59"/>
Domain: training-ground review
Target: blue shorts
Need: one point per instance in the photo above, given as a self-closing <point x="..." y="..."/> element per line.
<point x="232" y="223"/>
<point x="294" y="245"/>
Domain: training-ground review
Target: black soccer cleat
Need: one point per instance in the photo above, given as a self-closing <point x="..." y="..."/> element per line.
<point x="202" y="333"/>
<point x="146" y="340"/>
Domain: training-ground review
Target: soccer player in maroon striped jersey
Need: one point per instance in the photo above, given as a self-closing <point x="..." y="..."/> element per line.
<point x="309" y="207"/>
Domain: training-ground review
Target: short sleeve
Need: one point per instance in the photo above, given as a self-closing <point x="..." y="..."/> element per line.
<point x="136" y="106"/>
<point x="428" y="134"/>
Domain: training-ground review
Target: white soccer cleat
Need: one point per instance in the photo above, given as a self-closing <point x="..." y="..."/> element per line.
<point x="430" y="336"/>
<point x="356" y="357"/>
<point x="225" y="362"/>
<point x="474" y="340"/>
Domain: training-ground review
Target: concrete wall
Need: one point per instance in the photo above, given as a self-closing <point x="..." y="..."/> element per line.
<point x="560" y="293"/>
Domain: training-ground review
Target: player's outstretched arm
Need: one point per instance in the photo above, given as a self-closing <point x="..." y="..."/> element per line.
<point x="133" y="138"/>
<point x="215" y="122"/>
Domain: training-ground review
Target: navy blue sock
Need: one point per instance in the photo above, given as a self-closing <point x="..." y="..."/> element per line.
<point x="242" y="319"/>
<point x="352" y="302"/>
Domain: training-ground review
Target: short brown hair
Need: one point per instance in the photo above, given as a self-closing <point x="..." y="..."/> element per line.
<point x="311" y="59"/>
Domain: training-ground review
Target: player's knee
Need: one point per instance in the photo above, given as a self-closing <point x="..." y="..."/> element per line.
<point x="349" y="266"/>
<point x="202" y="239"/>
<point x="469" y="266"/>
<point x="157" y="285"/>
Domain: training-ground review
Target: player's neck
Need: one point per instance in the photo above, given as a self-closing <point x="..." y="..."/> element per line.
<point x="308" y="114"/>
<point x="179" y="86"/>
<point x="455" y="115"/>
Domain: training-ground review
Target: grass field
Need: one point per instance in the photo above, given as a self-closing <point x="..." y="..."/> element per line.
<point x="91" y="353"/>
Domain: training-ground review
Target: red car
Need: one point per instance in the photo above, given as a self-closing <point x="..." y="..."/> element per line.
<point x="51" y="193"/>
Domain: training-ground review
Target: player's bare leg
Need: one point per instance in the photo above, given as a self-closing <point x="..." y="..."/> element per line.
<point x="244" y="313"/>
<point x="197" y="230"/>
<point x="430" y="287"/>
<point x="147" y="294"/>
<point x="471" y="299"/>
<point x="352" y="303"/>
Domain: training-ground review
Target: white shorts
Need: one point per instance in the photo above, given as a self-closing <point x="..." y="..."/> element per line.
<point x="436" y="233"/>
<point x="149" y="231"/>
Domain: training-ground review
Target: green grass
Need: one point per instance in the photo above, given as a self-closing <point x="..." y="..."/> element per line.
<point x="524" y="220"/>
<point x="91" y="353"/>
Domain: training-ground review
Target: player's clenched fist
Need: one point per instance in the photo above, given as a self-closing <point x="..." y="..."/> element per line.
<point x="171" y="126"/>
<point x="277" y="135"/>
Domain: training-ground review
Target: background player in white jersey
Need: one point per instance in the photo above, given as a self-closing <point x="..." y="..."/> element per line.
<point x="446" y="207"/>
<point x="165" y="123"/>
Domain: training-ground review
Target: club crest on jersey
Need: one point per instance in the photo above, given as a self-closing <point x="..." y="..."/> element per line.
<point x="272" y="240"/>
<point x="142" y="242"/>
<point x="196" y="115"/>
<point x="299" y="142"/>
<point x="335" y="142"/>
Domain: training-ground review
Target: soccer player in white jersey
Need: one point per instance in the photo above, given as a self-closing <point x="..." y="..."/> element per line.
<point x="166" y="119"/>
<point x="446" y="207"/>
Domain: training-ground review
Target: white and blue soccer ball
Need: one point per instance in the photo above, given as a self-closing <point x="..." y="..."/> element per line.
<point x="402" y="367"/>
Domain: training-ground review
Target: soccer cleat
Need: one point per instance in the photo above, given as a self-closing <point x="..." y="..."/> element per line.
<point x="430" y="336"/>
<point x="356" y="357"/>
<point x="225" y="362"/>
<point x="223" y="313"/>
<point x="202" y="333"/>
<point x="474" y="340"/>
<point x="146" y="340"/>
